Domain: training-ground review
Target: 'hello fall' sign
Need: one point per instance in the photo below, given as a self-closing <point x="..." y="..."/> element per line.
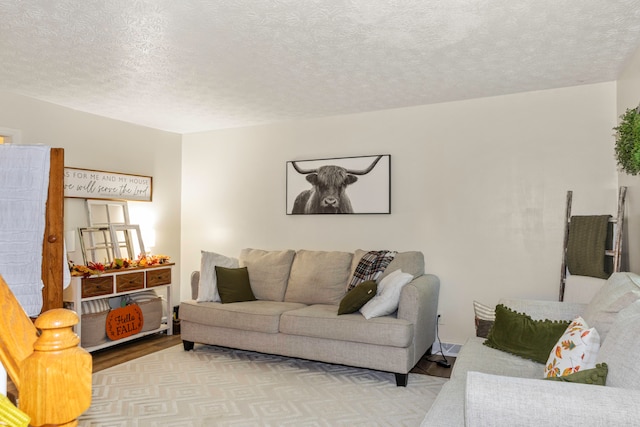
<point x="92" y="184"/>
<point x="124" y="321"/>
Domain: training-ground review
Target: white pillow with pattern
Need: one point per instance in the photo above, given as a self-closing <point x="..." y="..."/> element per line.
<point x="576" y="350"/>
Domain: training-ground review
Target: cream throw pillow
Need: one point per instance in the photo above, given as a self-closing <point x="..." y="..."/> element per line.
<point x="575" y="351"/>
<point x="388" y="300"/>
<point x="318" y="277"/>
<point x="268" y="272"/>
<point x="207" y="287"/>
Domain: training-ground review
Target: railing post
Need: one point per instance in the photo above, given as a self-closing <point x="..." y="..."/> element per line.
<point x="56" y="378"/>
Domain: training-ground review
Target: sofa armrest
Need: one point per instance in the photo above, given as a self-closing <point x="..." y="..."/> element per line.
<point x="419" y="305"/>
<point x="493" y="400"/>
<point x="195" y="282"/>
<point x="540" y="310"/>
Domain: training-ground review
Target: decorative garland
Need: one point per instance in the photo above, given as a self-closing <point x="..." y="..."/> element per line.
<point x="97" y="268"/>
<point x="628" y="141"/>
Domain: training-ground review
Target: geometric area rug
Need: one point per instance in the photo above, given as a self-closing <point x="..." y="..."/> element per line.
<point x="217" y="386"/>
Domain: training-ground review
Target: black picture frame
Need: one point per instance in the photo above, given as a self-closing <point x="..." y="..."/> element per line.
<point x="352" y="185"/>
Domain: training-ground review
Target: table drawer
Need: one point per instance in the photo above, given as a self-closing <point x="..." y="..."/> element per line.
<point x="96" y="286"/>
<point x="159" y="276"/>
<point x="129" y="281"/>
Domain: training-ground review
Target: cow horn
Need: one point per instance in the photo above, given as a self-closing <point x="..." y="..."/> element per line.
<point x="367" y="170"/>
<point x="303" y="171"/>
<point x="350" y="171"/>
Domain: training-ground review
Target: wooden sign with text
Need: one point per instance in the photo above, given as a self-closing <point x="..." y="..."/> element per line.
<point x="124" y="321"/>
<point x="92" y="184"/>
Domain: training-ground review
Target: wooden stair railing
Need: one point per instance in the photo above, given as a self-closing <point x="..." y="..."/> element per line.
<point x="51" y="372"/>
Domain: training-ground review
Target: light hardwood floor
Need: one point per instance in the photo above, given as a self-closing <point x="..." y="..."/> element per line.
<point x="111" y="356"/>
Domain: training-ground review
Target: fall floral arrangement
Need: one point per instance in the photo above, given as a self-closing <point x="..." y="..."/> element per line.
<point x="97" y="268"/>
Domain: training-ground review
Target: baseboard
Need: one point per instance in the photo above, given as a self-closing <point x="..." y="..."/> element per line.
<point x="447" y="349"/>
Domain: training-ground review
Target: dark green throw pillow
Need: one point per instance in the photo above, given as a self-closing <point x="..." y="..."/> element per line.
<point x="595" y="376"/>
<point x="519" y="334"/>
<point x="357" y="297"/>
<point x="233" y="285"/>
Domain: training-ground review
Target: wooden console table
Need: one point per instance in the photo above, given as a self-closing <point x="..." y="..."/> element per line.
<point x="117" y="283"/>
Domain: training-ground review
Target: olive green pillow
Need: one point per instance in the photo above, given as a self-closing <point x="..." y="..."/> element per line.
<point x="519" y="334"/>
<point x="233" y="284"/>
<point x="595" y="376"/>
<point x="357" y="297"/>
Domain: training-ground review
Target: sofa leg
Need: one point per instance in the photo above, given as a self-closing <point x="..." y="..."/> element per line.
<point x="402" y="380"/>
<point x="188" y="345"/>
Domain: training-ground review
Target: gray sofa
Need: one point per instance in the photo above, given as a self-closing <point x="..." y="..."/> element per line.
<point x="489" y="387"/>
<point x="296" y="312"/>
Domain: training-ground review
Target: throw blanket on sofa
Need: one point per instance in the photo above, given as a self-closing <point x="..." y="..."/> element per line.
<point x="371" y="266"/>
<point x="586" y="246"/>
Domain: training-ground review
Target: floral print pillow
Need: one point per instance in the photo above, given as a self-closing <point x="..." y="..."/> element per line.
<point x="576" y="350"/>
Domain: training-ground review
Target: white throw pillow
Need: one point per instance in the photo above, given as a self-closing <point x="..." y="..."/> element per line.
<point x="388" y="300"/>
<point x="575" y="351"/>
<point x="208" y="285"/>
<point x="387" y="279"/>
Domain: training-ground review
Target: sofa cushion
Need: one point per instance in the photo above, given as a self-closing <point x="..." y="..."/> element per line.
<point x="258" y="316"/>
<point x="621" y="348"/>
<point x="357" y="297"/>
<point x="575" y="351"/>
<point x="411" y="262"/>
<point x="318" y="277"/>
<point x="322" y="321"/>
<point x="268" y="272"/>
<point x="518" y="334"/>
<point x="620" y="290"/>
<point x="208" y="284"/>
<point x="233" y="285"/>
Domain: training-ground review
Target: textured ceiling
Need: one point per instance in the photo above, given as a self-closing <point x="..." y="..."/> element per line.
<point x="187" y="65"/>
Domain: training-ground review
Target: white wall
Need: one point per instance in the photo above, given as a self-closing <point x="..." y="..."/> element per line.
<point x="628" y="96"/>
<point x="479" y="186"/>
<point x="93" y="142"/>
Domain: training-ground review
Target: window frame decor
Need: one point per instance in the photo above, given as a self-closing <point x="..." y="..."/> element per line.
<point x="105" y="244"/>
<point x="109" y="209"/>
<point x="128" y="232"/>
<point x="91" y="245"/>
<point x="364" y="180"/>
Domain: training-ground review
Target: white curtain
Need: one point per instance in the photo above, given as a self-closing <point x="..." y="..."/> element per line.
<point x="24" y="182"/>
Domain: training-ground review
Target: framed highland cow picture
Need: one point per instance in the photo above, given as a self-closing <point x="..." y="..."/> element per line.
<point x="343" y="185"/>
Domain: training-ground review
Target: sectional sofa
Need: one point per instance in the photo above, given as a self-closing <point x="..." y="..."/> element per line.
<point x="490" y="387"/>
<point x="295" y="313"/>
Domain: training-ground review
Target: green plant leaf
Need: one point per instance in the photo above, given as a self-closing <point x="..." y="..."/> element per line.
<point x="627" y="148"/>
